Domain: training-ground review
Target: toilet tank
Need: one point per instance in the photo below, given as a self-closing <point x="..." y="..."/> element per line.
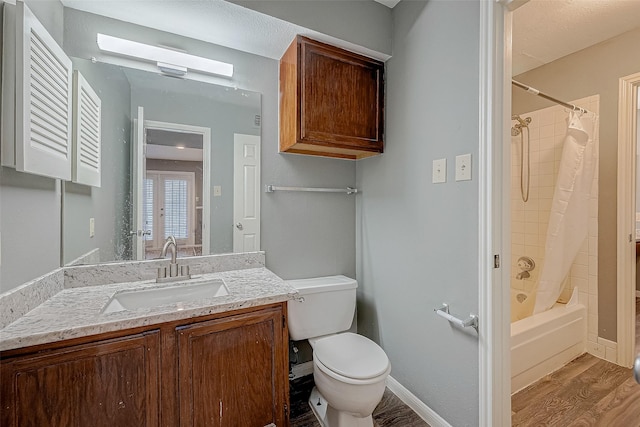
<point x="328" y="306"/>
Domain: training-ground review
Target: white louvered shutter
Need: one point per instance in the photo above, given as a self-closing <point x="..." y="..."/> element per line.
<point x="86" y="132"/>
<point x="43" y="100"/>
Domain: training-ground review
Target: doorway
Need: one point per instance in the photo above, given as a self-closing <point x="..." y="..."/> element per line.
<point x="628" y="140"/>
<point x="171" y="178"/>
<point x="607" y="193"/>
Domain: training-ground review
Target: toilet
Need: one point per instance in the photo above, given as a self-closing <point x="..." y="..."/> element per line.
<point x="349" y="370"/>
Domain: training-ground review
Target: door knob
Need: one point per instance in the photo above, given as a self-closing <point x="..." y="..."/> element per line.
<point x="239" y="226"/>
<point x="140" y="233"/>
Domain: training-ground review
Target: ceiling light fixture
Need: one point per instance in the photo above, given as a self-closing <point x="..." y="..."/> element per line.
<point x="172" y="70"/>
<point x="167" y="58"/>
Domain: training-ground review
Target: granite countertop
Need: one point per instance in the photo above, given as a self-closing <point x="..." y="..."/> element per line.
<point x="76" y="312"/>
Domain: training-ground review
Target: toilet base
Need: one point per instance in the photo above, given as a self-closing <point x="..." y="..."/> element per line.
<point x="329" y="417"/>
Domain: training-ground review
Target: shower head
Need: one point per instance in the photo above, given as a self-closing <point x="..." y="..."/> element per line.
<point x="522" y="123"/>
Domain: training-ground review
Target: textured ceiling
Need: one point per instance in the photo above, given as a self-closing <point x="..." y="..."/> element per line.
<point x="545" y="30"/>
<point x="213" y="21"/>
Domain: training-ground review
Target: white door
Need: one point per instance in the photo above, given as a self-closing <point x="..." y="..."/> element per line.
<point x="246" y="193"/>
<point x="137" y="186"/>
<point x="169" y="209"/>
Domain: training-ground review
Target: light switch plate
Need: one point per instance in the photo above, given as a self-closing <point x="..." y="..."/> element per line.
<point x="92" y="227"/>
<point x="439" y="171"/>
<point x="463" y="167"/>
<point x="217" y="191"/>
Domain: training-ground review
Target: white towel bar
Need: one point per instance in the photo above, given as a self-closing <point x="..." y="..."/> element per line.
<point x="348" y="190"/>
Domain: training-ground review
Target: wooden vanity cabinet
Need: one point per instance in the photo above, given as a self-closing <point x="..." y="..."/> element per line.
<point x="331" y="101"/>
<point x="229" y="371"/>
<point x="106" y="383"/>
<point x="226" y="369"/>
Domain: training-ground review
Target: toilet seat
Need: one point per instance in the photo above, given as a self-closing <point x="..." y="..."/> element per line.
<point x="351" y="356"/>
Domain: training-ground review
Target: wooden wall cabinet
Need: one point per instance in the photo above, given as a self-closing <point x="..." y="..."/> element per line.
<point x="228" y="369"/>
<point x="331" y="101"/>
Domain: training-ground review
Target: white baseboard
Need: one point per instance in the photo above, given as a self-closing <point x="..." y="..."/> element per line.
<point x="419" y="407"/>
<point x="301" y="370"/>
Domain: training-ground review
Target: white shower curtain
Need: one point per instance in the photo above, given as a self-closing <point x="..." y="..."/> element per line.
<point x="569" y="218"/>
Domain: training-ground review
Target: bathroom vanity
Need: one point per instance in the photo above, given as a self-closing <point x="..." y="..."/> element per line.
<point x="213" y="361"/>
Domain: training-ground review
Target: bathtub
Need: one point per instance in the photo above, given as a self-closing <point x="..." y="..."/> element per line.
<point x="544" y="342"/>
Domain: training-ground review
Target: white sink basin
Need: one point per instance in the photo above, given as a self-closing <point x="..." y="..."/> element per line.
<point x="165" y="295"/>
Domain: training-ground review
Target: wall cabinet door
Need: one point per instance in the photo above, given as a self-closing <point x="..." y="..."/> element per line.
<point x="233" y="371"/>
<point x="37" y="106"/>
<point x="332" y="101"/>
<point x="107" y="383"/>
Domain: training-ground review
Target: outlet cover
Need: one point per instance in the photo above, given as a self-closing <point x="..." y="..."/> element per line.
<point x="217" y="191"/>
<point x="92" y="227"/>
<point x="439" y="171"/>
<point x="463" y="167"/>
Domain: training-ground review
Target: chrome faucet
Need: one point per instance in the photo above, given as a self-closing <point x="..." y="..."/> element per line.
<point x="175" y="271"/>
<point x="171" y="244"/>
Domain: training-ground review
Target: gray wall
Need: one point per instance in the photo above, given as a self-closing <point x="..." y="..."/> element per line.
<point x="29" y="204"/>
<point x="224" y="120"/>
<point x="365" y="23"/>
<point x="109" y="205"/>
<point x="591" y="71"/>
<point x="417" y="242"/>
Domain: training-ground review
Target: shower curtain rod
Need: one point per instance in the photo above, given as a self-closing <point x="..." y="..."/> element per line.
<point x="545" y="96"/>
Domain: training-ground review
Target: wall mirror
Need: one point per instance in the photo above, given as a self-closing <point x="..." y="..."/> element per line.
<point x="179" y="157"/>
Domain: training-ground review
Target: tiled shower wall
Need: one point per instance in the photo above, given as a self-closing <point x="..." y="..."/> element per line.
<point x="530" y="220"/>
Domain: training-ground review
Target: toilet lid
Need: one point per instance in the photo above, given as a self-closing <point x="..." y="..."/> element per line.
<point x="351" y="355"/>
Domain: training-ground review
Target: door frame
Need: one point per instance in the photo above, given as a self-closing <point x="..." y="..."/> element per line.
<point x="626" y="206"/>
<point x="494" y="345"/>
<point x="206" y="170"/>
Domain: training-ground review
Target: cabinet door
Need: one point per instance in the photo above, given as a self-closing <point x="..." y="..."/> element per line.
<point x="342" y="97"/>
<point x="43" y="100"/>
<point x="232" y="371"/>
<point x="87" y="113"/>
<point x="108" y="383"/>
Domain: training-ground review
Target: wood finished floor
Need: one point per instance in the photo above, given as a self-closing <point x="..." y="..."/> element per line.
<point x="390" y="412"/>
<point x="586" y="392"/>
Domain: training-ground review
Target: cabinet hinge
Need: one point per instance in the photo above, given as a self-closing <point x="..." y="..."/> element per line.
<point x="496" y="261"/>
<point x="284" y="322"/>
<point x="286" y="411"/>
